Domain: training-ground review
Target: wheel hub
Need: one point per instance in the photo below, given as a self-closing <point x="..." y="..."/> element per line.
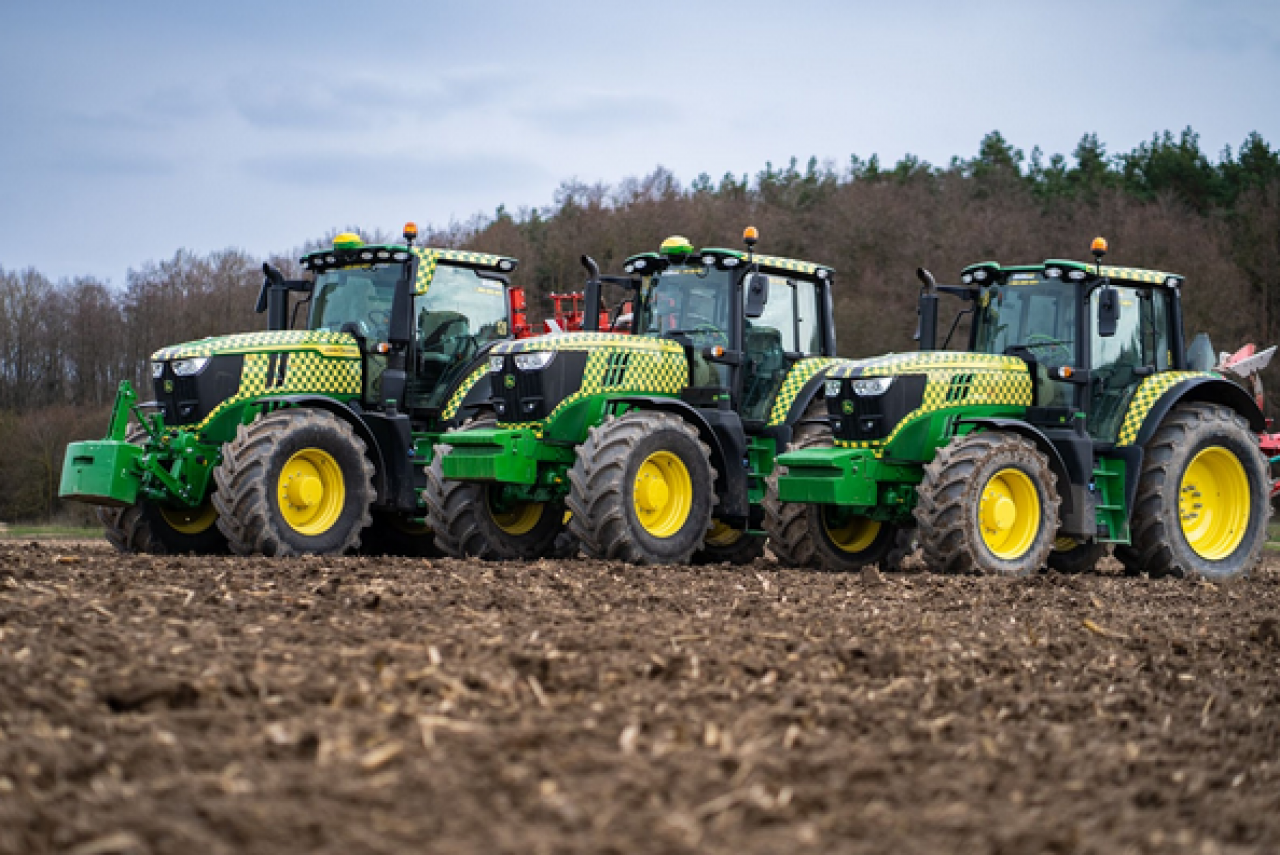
<point x="652" y="491"/>
<point x="305" y="491"/>
<point x="1213" y="503"/>
<point x="1009" y="514"/>
<point x="999" y="513"/>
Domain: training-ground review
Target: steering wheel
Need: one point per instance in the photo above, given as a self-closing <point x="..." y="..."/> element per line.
<point x="712" y="331"/>
<point x="1050" y="347"/>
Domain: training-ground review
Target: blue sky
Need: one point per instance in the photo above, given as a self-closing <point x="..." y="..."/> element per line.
<point x="129" y="130"/>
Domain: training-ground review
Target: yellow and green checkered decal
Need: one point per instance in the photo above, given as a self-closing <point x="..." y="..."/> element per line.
<point x="306" y="371"/>
<point x="914" y="363"/>
<point x="429" y="259"/>
<point x="1137" y="274"/>
<point x="331" y="343"/>
<point x="592" y="342"/>
<point x="654" y="366"/>
<point x="800" y="374"/>
<point x="954" y="381"/>
<point x="1151" y="391"/>
<point x="460" y="394"/>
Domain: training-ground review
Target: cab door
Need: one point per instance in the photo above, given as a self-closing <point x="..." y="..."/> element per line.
<point x="1120" y="363"/>
<point x="789" y="329"/>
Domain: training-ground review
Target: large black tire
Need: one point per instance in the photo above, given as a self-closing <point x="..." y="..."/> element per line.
<point x="611" y="521"/>
<point x="396" y="535"/>
<point x="988" y="504"/>
<point x="294" y="482"/>
<point x="723" y="545"/>
<point x="469" y="522"/>
<point x="1077" y="557"/>
<point x="1185" y="525"/>
<point x="820" y="536"/>
<point x="789" y="525"/>
<point x="147" y="528"/>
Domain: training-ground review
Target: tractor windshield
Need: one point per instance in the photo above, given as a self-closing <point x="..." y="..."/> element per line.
<point x="356" y="295"/>
<point x="690" y="304"/>
<point x="689" y="300"/>
<point x="1032" y="311"/>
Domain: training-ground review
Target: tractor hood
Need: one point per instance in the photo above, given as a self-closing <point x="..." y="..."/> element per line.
<point x="329" y="344"/>
<point x="925" y="362"/>
<point x="586" y="341"/>
<point x="907" y="400"/>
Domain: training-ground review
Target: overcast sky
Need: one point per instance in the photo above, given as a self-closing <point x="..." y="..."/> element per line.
<point x="129" y="130"/>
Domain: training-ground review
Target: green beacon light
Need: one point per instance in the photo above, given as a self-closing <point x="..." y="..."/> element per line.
<point x="677" y="247"/>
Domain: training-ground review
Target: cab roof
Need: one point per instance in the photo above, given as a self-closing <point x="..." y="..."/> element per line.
<point x="995" y="270"/>
<point x="652" y="262"/>
<point x="324" y="259"/>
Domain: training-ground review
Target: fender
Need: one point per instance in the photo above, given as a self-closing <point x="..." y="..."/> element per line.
<point x="353" y="418"/>
<point x="723" y="433"/>
<point x="1205" y="389"/>
<point x="811" y="390"/>
<point x="1033" y="433"/>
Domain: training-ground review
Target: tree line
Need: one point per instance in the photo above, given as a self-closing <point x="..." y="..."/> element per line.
<point x="1167" y="204"/>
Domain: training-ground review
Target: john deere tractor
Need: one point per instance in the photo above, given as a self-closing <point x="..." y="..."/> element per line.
<point x="1077" y="418"/>
<point x="287" y="441"/>
<point x="655" y="444"/>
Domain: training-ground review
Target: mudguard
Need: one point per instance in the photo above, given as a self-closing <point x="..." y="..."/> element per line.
<point x="1160" y="393"/>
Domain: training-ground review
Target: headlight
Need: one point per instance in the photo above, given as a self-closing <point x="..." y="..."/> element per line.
<point x="833" y="388"/>
<point x="872" y="386"/>
<point x="534" y="361"/>
<point x="190" y="367"/>
<point x="157" y="369"/>
<point x="495" y="364"/>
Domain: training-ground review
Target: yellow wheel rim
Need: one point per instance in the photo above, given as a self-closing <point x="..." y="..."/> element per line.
<point x="1214" y="503"/>
<point x="722" y="535"/>
<point x="518" y="518"/>
<point x="190" y="520"/>
<point x="853" y="534"/>
<point x="1009" y="514"/>
<point x="311" y="491"/>
<point x="662" y="495"/>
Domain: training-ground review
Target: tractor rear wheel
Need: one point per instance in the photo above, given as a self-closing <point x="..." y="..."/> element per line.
<point x="1203" y="497"/>
<point x="294" y="482"/>
<point x="150" y="528"/>
<point x="725" y="544"/>
<point x="988" y="504"/>
<point x="473" y="520"/>
<point x="642" y="489"/>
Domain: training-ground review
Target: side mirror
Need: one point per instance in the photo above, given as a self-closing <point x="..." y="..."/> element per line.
<point x="757" y="295"/>
<point x="1108" y="311"/>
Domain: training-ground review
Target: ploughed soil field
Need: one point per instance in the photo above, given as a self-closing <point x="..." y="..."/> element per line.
<point x="211" y="705"/>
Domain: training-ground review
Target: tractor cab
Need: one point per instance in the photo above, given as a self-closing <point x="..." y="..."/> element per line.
<point x="744" y="320"/>
<point x="1090" y="334"/>
<point x="420" y="316"/>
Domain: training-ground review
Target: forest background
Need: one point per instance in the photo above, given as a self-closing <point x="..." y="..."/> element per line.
<point x="66" y="345"/>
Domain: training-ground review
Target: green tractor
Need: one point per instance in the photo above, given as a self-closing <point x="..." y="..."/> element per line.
<point x="1077" y="419"/>
<point x="307" y="441"/>
<point x="652" y="446"/>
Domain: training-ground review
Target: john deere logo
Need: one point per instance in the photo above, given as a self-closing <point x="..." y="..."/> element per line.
<point x="168" y="385"/>
<point x="509" y="381"/>
<point x="847" y="406"/>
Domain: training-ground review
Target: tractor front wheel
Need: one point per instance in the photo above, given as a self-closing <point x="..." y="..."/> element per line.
<point x="473" y="520"/>
<point x="642" y="489"/>
<point x="988" y="504"/>
<point x="1202" y="502"/>
<point x="725" y="544"/>
<point x="294" y="482"/>
<point x="150" y="528"/>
